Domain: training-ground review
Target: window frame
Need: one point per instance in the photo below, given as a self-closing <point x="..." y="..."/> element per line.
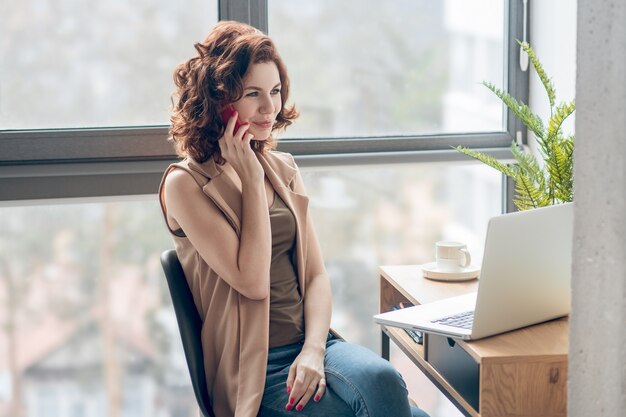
<point x="97" y="162"/>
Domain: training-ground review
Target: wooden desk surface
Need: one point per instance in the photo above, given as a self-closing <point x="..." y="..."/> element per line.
<point x="522" y="371"/>
<point x="546" y="339"/>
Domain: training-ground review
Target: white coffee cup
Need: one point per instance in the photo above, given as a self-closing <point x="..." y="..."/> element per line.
<point x="452" y="256"/>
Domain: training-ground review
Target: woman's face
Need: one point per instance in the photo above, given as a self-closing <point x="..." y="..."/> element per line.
<point x="261" y="99"/>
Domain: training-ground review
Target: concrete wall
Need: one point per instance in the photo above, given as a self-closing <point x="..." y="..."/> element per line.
<point x="597" y="358"/>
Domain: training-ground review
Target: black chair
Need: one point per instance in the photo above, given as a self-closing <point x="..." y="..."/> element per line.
<point x="190" y="326"/>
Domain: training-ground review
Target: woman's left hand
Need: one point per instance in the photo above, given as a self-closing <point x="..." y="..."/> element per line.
<point x="306" y="377"/>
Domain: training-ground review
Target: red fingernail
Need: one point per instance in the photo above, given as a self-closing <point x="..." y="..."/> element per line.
<point x="288" y="390"/>
<point x="299" y="407"/>
<point x="317" y="398"/>
<point x="288" y="408"/>
<point x="291" y="400"/>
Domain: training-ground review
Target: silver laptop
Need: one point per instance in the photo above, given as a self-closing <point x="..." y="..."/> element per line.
<point x="525" y="279"/>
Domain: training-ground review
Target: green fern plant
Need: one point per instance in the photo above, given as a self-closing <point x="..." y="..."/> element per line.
<point x="537" y="185"/>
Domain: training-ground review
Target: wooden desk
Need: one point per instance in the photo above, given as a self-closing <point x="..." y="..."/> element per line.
<point x="522" y="373"/>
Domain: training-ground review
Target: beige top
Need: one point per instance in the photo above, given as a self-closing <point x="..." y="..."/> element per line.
<point x="286" y="306"/>
<point x="235" y="331"/>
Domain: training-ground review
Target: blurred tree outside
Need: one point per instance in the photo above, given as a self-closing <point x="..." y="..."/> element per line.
<point x="65" y="266"/>
<point x="69" y="63"/>
<point x="370" y="68"/>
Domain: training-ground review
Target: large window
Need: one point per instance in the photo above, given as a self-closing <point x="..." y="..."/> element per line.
<point x="384" y="89"/>
<point x="376" y="82"/>
<point x="87" y="326"/>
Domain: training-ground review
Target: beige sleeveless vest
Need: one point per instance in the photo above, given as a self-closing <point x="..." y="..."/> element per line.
<point x="235" y="328"/>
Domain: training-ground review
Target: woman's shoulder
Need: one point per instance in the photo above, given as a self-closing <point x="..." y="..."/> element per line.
<point x="179" y="181"/>
<point x="283" y="157"/>
<point x="187" y="173"/>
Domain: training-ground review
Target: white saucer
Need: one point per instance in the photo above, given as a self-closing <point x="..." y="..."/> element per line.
<point x="431" y="271"/>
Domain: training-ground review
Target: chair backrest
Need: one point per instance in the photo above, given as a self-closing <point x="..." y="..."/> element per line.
<point x="190" y="327"/>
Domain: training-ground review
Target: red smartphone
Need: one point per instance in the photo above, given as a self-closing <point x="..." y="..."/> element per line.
<point x="227" y="113"/>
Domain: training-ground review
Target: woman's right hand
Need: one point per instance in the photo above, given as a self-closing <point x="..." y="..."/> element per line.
<point x="236" y="150"/>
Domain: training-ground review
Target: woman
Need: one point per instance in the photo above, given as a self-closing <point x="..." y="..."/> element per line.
<point x="239" y="216"/>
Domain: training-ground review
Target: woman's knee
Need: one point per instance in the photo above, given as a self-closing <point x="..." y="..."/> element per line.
<point x="362" y="366"/>
<point x="384" y="372"/>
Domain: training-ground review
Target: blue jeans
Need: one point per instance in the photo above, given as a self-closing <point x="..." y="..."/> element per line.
<point x="359" y="384"/>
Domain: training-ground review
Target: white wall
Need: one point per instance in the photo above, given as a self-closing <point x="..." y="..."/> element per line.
<point x="552" y="34"/>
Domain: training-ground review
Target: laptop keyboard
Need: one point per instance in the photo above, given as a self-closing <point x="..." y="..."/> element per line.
<point x="463" y="320"/>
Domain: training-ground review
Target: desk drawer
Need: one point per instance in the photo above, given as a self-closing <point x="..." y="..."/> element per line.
<point x="455" y="365"/>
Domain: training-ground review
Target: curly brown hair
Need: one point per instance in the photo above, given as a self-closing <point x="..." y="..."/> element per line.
<point x="208" y="82"/>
